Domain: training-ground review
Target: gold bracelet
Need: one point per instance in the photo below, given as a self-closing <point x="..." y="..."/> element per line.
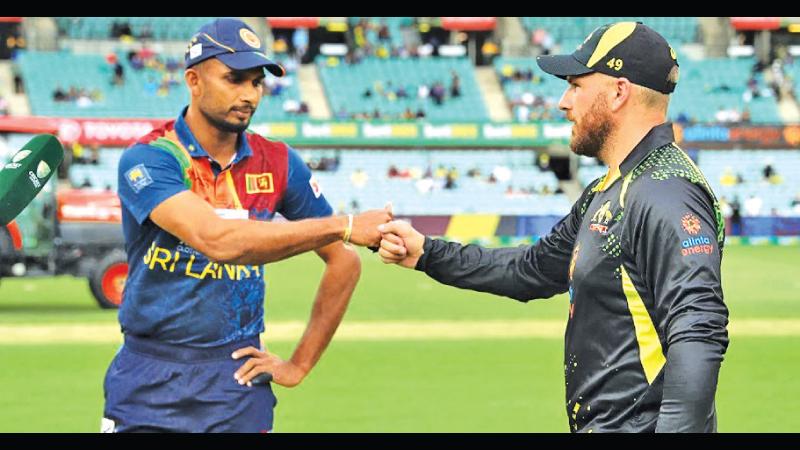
<point x="349" y="230"/>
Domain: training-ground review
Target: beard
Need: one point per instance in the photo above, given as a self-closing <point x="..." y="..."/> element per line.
<point x="591" y="136"/>
<point x="222" y="124"/>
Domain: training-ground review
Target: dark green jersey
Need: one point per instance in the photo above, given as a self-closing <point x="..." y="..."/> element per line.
<point x="640" y="257"/>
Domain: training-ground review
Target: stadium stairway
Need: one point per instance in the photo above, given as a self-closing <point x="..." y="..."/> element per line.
<point x="515" y="38"/>
<point x="492" y="93"/>
<point x="17" y="103"/>
<point x="312" y="92"/>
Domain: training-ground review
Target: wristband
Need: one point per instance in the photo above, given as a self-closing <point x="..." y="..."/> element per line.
<point x="349" y="230"/>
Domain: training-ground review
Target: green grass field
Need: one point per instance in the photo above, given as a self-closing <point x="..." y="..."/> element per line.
<point x="493" y="383"/>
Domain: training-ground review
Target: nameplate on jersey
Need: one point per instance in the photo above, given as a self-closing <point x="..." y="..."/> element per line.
<point x="231" y="214"/>
<point x="259" y="183"/>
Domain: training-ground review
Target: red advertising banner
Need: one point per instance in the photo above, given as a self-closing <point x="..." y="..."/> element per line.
<point x="87" y="205"/>
<point x="104" y="132"/>
<point x="469" y="23"/>
<point x="293" y="22"/>
<point x="756" y="23"/>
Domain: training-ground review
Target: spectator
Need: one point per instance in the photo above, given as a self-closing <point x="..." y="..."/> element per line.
<point x="393" y="172"/>
<point x="683" y="118"/>
<point x="342" y="114"/>
<point x="474" y="172"/>
<point x="83" y="100"/>
<point x="736" y="217"/>
<point x="420" y="113"/>
<point x="303" y="110"/>
<point x="543" y="161"/>
<point x="291" y="106"/>
<point x="728" y="178"/>
<point x="489" y="50"/>
<point x="752" y="206"/>
<point x="59" y="95"/>
<point x="768" y="172"/>
<point x="383" y="31"/>
<point x="3" y="106"/>
<point x="19" y="86"/>
<point x="359" y="178"/>
<point x="795" y="205"/>
<point x="94" y="159"/>
<point x="119" y="74"/>
<point x="450" y="182"/>
<point x="455" y="84"/>
<point x="437" y="93"/>
<point x="745" y="117"/>
<point x="423" y="91"/>
<point x="408" y="114"/>
<point x="77" y="153"/>
<point x="401" y="92"/>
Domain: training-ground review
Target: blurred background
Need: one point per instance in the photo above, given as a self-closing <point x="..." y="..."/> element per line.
<point x="451" y="119"/>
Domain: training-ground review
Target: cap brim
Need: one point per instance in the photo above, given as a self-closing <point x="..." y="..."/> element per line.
<point x="562" y="66"/>
<point x="250" y="60"/>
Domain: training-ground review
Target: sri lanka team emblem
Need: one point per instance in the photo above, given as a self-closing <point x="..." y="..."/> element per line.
<point x="259" y="183"/>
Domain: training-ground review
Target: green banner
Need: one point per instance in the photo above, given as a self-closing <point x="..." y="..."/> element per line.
<point x="446" y="134"/>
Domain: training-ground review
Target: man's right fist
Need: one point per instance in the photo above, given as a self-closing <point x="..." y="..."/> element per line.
<point x="365" y="226"/>
<point x="401" y="244"/>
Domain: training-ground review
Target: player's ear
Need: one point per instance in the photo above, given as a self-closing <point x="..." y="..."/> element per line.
<point x="192" y="77"/>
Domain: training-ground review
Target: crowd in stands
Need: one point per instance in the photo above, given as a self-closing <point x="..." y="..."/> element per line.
<point x="81" y="96"/>
<point x="361" y="44"/>
<point x="529" y="104"/>
<point x="435" y="92"/>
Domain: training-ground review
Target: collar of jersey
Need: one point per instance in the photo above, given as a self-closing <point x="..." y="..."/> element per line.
<point x="193" y="147"/>
<point x="658" y="136"/>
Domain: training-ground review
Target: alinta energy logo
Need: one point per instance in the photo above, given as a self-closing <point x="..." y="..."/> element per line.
<point x="694" y="245"/>
<point x="690" y="224"/>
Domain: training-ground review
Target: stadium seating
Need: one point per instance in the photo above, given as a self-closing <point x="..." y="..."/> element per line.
<point x="541" y="85"/>
<point x="471" y="195"/>
<point x="707" y="85"/>
<point x="43" y="72"/>
<point x="162" y="28"/>
<point x="345" y="85"/>
<point x="572" y="30"/>
<point x="750" y="164"/>
<point x="394" y="24"/>
<point x="777" y="195"/>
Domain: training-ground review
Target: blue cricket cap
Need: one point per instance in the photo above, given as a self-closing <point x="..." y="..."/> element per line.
<point x="232" y="42"/>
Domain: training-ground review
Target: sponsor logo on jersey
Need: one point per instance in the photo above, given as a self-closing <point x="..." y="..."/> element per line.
<point x="696" y="246"/>
<point x="690" y="224"/>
